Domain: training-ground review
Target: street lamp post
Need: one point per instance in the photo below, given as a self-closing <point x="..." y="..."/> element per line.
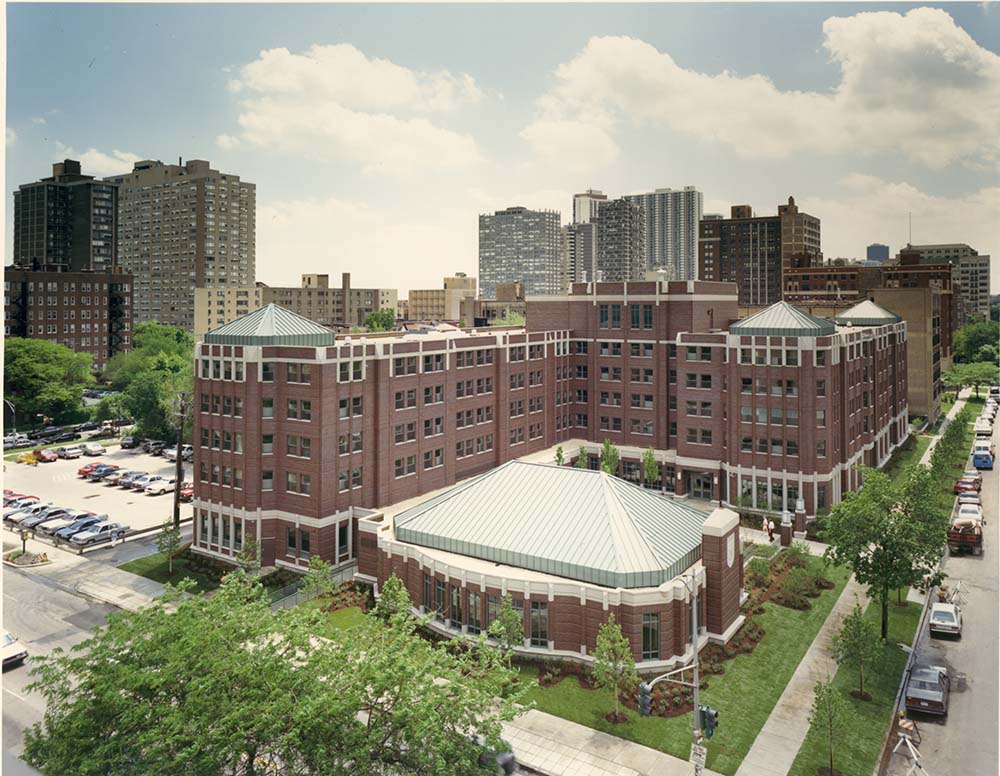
<point x="181" y="406"/>
<point x="13" y="416"/>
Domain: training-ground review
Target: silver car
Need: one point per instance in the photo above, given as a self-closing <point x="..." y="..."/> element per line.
<point x="927" y="689"/>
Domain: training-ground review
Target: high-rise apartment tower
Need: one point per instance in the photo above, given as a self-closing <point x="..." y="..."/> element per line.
<point x="519" y="245"/>
<point x="671" y="218"/>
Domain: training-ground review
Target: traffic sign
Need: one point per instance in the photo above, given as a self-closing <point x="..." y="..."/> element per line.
<point x="698" y="754"/>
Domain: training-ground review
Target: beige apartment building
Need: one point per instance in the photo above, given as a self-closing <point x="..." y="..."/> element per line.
<point x="441" y="304"/>
<point x="181" y="227"/>
<point x="338" y="308"/>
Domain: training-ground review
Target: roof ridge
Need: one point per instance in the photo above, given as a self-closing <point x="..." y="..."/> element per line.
<point x="621" y="522"/>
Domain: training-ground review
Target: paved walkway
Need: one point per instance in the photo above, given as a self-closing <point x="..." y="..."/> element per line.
<point x="558" y="747"/>
<point x="776" y="746"/>
<point x="925" y="459"/>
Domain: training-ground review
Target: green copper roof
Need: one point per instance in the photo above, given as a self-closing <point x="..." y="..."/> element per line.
<point x="783" y="320"/>
<point x="866" y="313"/>
<point x="272" y="325"/>
<point x="560" y="520"/>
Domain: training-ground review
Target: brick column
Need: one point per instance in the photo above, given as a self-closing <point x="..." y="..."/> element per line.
<point x="722" y="558"/>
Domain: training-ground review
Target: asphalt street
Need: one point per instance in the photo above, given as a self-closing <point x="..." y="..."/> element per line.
<point x="966" y="741"/>
<point x="43" y="617"/>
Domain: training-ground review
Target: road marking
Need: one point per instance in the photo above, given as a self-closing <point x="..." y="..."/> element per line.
<point x="16" y="695"/>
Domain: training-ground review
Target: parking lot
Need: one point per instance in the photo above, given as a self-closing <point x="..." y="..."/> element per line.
<point x="58" y="482"/>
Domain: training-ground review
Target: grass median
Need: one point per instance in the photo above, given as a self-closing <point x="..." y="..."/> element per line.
<point x="858" y="746"/>
<point x="155" y="567"/>
<point x="744" y="695"/>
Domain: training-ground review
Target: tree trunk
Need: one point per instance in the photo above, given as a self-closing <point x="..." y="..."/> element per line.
<point x="885" y="613"/>
<point x="831" y="743"/>
<point x="861" y="673"/>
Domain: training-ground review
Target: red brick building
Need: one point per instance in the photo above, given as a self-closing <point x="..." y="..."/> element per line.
<point x="570" y="547"/>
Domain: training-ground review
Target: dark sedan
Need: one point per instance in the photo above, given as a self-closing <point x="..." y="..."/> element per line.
<point x="102" y="471"/>
<point x="88" y="426"/>
<point x="80" y="525"/>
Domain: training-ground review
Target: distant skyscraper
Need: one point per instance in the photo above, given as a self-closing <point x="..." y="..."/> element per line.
<point x="672" y="219"/>
<point x="621" y="236"/>
<point x="66" y="221"/>
<point x="520" y="245"/>
<point x="182" y="227"/>
<point x="585" y="205"/>
<point x="877" y="252"/>
<point x="579" y="249"/>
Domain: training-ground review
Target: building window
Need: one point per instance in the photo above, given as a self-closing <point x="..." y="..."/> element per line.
<point x="267" y="408"/>
<point x="492" y="609"/>
<point x="267" y="480"/>
<point x="650" y="636"/>
<point x="821" y="448"/>
<point x="821" y="418"/>
<point x="820" y="358"/>
<point x="267" y="372"/>
<point x="821" y="387"/>
<point x="540" y="621"/>
<point x="455" y="610"/>
<point x="427" y="601"/>
<point x="472" y="615"/>
<point x="439" y="600"/>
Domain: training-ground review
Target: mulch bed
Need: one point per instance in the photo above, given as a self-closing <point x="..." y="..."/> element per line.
<point x="17" y="558"/>
<point x="344" y="597"/>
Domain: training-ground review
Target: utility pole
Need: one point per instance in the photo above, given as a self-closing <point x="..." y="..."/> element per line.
<point x="693" y="590"/>
<point x="181" y="406"/>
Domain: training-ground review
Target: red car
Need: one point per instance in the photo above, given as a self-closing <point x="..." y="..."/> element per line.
<point x="187" y="491"/>
<point x="46" y="456"/>
<point x="86" y="469"/>
<point x="966" y="486"/>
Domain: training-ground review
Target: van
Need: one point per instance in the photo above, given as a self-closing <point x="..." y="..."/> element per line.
<point x="982" y="458"/>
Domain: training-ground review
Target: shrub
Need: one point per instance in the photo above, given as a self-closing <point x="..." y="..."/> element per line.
<point x="758" y="573"/>
<point x="797" y="584"/>
<point x="796" y="555"/>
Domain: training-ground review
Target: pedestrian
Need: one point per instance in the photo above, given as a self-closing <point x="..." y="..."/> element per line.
<point x="770" y="530"/>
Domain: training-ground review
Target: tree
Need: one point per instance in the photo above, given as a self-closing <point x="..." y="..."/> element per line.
<point x="508" y="628"/>
<point x="980" y="373"/>
<point x="509" y="318"/>
<point x="953" y="379"/>
<point x="560" y="459"/>
<point x="381" y="320"/>
<point x="149" y="341"/>
<point x="248" y="559"/>
<point x="168" y="542"/>
<point x="995" y="312"/>
<point x="857" y="644"/>
<point x="225" y="686"/>
<point x="968" y="339"/>
<point x="828" y="714"/>
<point x="987" y="353"/>
<point x="581" y="458"/>
<point x="889" y="535"/>
<point x="614" y="665"/>
<point x="318" y="580"/>
<point x="393" y="601"/>
<point x="650" y="469"/>
<point x="110" y="408"/>
<point x="609" y="458"/>
<point x="45" y="378"/>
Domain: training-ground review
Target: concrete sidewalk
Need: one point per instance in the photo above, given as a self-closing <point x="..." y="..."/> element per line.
<point x="776" y="746"/>
<point x="558" y="747"/>
<point x="956" y="408"/>
<point x="760" y="537"/>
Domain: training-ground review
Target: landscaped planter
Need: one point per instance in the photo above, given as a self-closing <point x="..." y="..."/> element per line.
<point x="25" y="559"/>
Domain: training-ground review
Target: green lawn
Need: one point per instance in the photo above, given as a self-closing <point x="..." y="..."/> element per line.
<point x="897" y="467"/>
<point x="867" y="722"/>
<point x="339" y="620"/>
<point x="78" y="441"/>
<point x="155" y="567"/>
<point x="744" y="696"/>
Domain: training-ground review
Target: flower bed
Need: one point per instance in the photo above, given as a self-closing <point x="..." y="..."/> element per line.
<point x="344" y="597"/>
<point x="788" y="580"/>
<point x="19" y="558"/>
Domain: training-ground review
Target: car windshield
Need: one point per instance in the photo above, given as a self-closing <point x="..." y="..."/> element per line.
<point x="943" y="616"/>
<point x="921" y="684"/>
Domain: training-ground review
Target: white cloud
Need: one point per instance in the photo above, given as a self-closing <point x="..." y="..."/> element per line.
<point x="11" y="136"/>
<point x="577" y="145"/>
<point x="869" y="210"/>
<point x="333" y="102"/>
<point x="913" y="82"/>
<point x="227" y="142"/>
<point x="38" y="120"/>
<point x="99" y="163"/>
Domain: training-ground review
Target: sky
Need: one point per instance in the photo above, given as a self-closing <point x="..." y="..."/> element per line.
<point x="376" y="134"/>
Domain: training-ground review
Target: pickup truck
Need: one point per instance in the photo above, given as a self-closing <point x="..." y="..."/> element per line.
<point x="965" y="532"/>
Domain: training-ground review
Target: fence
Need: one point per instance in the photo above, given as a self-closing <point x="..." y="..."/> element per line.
<point x="291" y="595"/>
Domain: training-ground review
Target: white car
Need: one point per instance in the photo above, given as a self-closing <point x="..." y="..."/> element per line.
<point x="14" y="652"/>
<point x="99" y="532"/>
<point x="69" y="452"/>
<point x="969" y="497"/>
<point x="141" y="483"/>
<point x="92" y="448"/>
<point x="21" y="503"/>
<point x="160" y="486"/>
<point x="946" y="618"/>
<point x="51" y="526"/>
<point x="969" y="513"/>
<point x="28" y="511"/>
<point x="16" y="440"/>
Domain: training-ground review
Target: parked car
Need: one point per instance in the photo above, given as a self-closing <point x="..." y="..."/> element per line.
<point x="927" y="689"/>
<point x="129" y="480"/>
<point x="63" y="436"/>
<point x="39" y="433"/>
<point x="965" y="485"/>
<point x="969" y="497"/>
<point x="945" y="619"/>
<point x="156" y="448"/>
<point x="17" y="504"/>
<point x="74" y="451"/>
<point x="187" y="491"/>
<point x="141" y="483"/>
<point x="71" y="516"/>
<point x="46" y="456"/>
<point x="116" y="476"/>
<point x="102" y="471"/>
<point x="129" y="442"/>
<point x="161" y="486"/>
<point x="80" y="525"/>
<point x="14" y="652"/>
<point x="87" y="468"/>
<point x="92" y="448"/>
<point x="16" y="440"/>
<point x="88" y="426"/>
<point x="99" y="532"/>
<point x="43" y="517"/>
<point x="27" y="511"/>
<point x="171" y="452"/>
<point x="971" y="512"/>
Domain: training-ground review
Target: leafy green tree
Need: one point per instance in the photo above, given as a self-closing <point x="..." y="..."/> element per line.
<point x="45" y="378"/>
<point x="609" y="458"/>
<point x="508" y="628"/>
<point x="614" y="665"/>
<point x="857" y="644"/>
<point x="381" y="320"/>
<point x="149" y="397"/>
<point x="393" y="601"/>
<point x="988" y="354"/>
<point x="980" y="373"/>
<point x="248" y="559"/>
<point x="995" y="312"/>
<point x="581" y="458"/>
<point x="828" y="714"/>
<point x="318" y="580"/>
<point x="225" y="686"/>
<point x="168" y="541"/>
<point x="954" y="379"/>
<point x="650" y="469"/>
<point x="509" y="318"/>
<point x="890" y="536"/>
<point x="968" y="339"/>
<point x="560" y="458"/>
<point x="149" y="341"/>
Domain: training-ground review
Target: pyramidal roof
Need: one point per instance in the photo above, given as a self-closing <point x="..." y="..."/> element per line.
<point x="866" y="313"/>
<point x="272" y="325"/>
<point x="783" y="320"/>
<point x="573" y="523"/>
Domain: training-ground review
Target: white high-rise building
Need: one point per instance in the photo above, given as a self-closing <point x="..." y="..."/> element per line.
<point x="585" y="205"/>
<point x="672" y="218"/>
